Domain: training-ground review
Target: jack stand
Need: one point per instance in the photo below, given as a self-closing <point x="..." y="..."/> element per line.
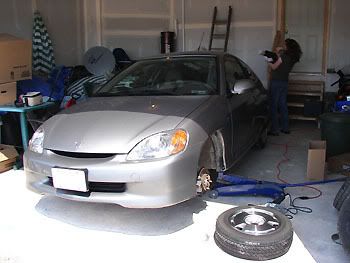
<point x="231" y="185"/>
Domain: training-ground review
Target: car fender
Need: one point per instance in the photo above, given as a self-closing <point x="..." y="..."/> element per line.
<point x="212" y="153"/>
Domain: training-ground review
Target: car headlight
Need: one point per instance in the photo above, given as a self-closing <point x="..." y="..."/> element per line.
<point x="159" y="145"/>
<point x="37" y="141"/>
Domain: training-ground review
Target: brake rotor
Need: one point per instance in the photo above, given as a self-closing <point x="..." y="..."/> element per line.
<point x="204" y="181"/>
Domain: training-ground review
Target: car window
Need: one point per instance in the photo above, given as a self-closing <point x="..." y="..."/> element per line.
<point x="247" y="71"/>
<point x="165" y="76"/>
<point x="233" y="72"/>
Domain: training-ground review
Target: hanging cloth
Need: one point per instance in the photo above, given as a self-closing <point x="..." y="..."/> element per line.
<point x="43" y="57"/>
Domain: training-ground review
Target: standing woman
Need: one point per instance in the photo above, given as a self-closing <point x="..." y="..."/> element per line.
<point x="288" y="56"/>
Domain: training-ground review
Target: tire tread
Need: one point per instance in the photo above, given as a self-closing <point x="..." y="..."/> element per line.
<point x="342" y="194"/>
<point x="253" y="251"/>
<point x="344" y="224"/>
<point x="249" y="247"/>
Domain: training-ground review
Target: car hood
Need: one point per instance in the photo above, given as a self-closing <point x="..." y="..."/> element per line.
<point x="116" y="124"/>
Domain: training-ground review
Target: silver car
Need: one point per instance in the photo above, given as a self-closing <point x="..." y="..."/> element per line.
<point x="155" y="135"/>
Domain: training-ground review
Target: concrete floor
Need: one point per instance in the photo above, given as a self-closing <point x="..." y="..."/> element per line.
<point x="36" y="229"/>
<point x="315" y="229"/>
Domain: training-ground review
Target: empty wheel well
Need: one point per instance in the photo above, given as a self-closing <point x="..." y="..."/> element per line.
<point x="212" y="153"/>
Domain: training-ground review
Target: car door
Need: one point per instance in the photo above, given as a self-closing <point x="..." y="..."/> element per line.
<point x="259" y="99"/>
<point x="239" y="108"/>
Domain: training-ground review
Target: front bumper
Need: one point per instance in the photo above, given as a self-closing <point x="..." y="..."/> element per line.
<point x="148" y="184"/>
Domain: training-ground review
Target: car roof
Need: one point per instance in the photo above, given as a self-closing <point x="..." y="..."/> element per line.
<point x="188" y="54"/>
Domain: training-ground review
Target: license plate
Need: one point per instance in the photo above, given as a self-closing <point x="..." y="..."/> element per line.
<point x="70" y="179"/>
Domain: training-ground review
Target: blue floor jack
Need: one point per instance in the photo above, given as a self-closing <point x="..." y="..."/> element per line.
<point x="231" y="185"/>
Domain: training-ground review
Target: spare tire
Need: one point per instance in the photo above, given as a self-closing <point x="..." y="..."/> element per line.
<point x="342" y="194"/>
<point x="344" y="224"/>
<point x="253" y="232"/>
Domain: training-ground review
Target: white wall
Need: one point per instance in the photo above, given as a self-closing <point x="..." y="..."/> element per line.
<point x="252" y="28"/>
<point x="339" y="42"/>
<point x="16" y="17"/>
<point x="135" y="25"/>
<point x="339" y="52"/>
<point x="62" y="19"/>
<point x="91" y="23"/>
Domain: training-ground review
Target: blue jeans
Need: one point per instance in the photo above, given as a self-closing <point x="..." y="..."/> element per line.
<point x="278" y="102"/>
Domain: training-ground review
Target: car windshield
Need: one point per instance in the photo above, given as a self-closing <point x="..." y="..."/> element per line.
<point x="165" y="76"/>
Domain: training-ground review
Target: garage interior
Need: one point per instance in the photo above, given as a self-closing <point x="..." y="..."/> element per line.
<point x="42" y="228"/>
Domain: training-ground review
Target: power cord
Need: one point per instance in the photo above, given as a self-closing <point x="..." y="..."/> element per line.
<point x="292" y="209"/>
<point x="285" y="159"/>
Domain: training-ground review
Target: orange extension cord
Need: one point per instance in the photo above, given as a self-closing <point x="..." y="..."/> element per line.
<point x="285" y="159"/>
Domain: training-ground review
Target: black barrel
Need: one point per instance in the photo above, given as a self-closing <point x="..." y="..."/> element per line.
<point x="167" y="42"/>
<point x="335" y="129"/>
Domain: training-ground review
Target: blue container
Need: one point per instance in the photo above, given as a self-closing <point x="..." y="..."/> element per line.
<point x="342" y="106"/>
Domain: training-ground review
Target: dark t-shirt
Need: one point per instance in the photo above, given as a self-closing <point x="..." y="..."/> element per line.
<point x="282" y="72"/>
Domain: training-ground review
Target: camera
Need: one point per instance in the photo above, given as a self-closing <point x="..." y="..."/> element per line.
<point x="270" y="56"/>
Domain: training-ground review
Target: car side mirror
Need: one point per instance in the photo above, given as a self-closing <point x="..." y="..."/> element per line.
<point x="242" y="86"/>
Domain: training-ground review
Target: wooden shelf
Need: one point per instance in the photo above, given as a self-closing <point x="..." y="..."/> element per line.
<point x="300" y="117"/>
<point x="300" y="91"/>
<point x="303" y="93"/>
<point x="295" y="104"/>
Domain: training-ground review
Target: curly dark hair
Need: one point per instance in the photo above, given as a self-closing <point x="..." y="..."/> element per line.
<point x="293" y="49"/>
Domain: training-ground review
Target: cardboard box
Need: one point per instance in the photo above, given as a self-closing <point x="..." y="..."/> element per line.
<point x="16" y="58"/>
<point x="8" y="155"/>
<point x="339" y="164"/>
<point x="316" y="160"/>
<point x="8" y="93"/>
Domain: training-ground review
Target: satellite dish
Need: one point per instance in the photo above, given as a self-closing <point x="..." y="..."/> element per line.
<point x="99" y="61"/>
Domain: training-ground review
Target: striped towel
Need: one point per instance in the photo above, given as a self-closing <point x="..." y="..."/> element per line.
<point x="43" y="57"/>
<point x="76" y="90"/>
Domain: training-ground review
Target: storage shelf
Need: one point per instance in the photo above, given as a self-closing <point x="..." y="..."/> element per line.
<point x="303" y="93"/>
<point x="295" y="104"/>
<point x="300" y="117"/>
<point x="300" y="91"/>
